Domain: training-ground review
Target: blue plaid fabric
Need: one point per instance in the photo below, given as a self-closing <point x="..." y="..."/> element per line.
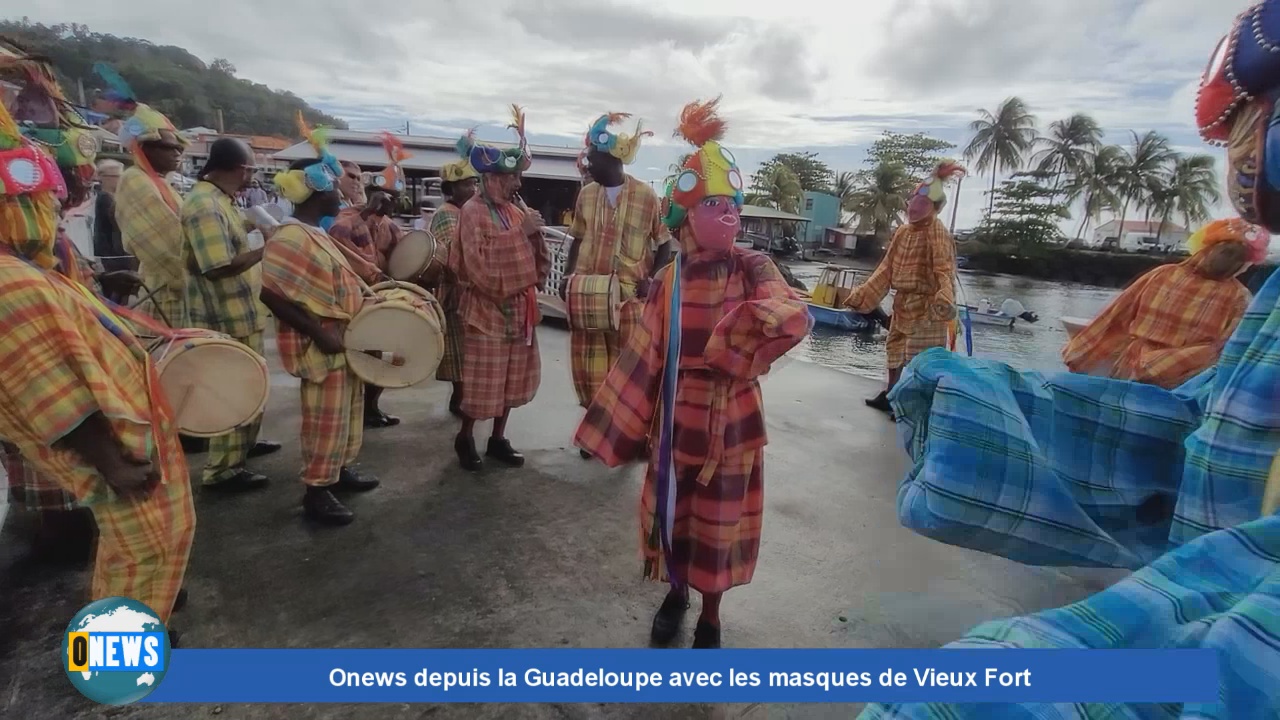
<point x="1066" y="469"/>
<point x="1220" y="591"/>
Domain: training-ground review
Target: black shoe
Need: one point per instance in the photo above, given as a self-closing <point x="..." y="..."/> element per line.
<point x="455" y="405"/>
<point x="706" y="636"/>
<point x="321" y="506"/>
<point x="666" y="622"/>
<point x="880" y="402"/>
<point x="378" y="419"/>
<point x="264" y="447"/>
<point x="351" y="481"/>
<point x="585" y="455"/>
<point x="193" y="445"/>
<point x="242" y="481"/>
<point x="500" y="449"/>
<point x="180" y="601"/>
<point x="465" y="446"/>
<point x="173" y="640"/>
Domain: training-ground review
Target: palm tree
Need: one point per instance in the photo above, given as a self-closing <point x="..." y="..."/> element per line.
<point x="1001" y="140"/>
<point x="1095" y="183"/>
<point x="777" y="187"/>
<point x="1066" y="149"/>
<point x="1193" y="181"/>
<point x="843" y="188"/>
<point x="1140" y="172"/>
<point x="880" y="198"/>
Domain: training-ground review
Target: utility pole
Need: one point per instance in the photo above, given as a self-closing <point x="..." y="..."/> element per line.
<point x="955" y="206"/>
<point x="80" y="87"/>
<point x="406" y="127"/>
<point x="221" y="130"/>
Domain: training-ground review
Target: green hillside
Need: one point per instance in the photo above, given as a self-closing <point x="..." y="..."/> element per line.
<point x="168" y="78"/>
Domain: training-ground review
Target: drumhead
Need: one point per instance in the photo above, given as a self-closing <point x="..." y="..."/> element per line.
<point x="386" y="285"/>
<point x="411" y="255"/>
<point x="401" y="329"/>
<point x="214" y="385"/>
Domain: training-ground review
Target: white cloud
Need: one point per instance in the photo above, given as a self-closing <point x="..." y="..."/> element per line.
<point x="804" y="74"/>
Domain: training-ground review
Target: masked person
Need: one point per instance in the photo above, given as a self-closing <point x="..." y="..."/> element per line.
<point x="78" y="398"/>
<point x="617" y="233"/>
<point x="223" y="283"/>
<point x="458" y="184"/>
<point x="313" y="292"/>
<point x="1172" y="322"/>
<point x="920" y="266"/>
<point x="499" y="261"/>
<point x="714" y="322"/>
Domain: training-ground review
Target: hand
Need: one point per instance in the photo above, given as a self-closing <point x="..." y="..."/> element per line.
<point x="532" y="223"/>
<point x="330" y="342"/>
<point x="130" y="477"/>
<point x="642" y="288"/>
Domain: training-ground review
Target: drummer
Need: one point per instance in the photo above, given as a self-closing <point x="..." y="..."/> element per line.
<point x="313" y="292"/>
<point x="617" y="229"/>
<point x="385" y="234"/>
<point x="458" y="184"/>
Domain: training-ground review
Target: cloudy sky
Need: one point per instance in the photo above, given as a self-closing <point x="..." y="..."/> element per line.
<point x="815" y="75"/>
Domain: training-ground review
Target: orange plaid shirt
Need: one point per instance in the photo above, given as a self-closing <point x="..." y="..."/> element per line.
<point x="630" y="231"/>
<point x="920" y="265"/>
<point x="498" y="269"/>
<point x="1165" y="328"/>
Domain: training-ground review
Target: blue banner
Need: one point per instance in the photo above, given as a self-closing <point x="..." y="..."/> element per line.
<point x="695" y="676"/>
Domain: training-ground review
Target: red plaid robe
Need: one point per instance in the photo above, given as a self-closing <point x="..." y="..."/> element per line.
<point x="498" y="270"/>
<point x="739" y="316"/>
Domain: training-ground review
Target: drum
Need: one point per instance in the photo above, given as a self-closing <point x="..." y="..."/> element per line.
<point x="398" y="341"/>
<point x="411" y="256"/>
<point x="593" y="302"/>
<point x="214" y="384"/>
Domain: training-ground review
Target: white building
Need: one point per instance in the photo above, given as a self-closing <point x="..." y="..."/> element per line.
<point x="1140" y="236"/>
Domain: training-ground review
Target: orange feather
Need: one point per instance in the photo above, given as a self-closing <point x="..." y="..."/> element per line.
<point x="700" y="122"/>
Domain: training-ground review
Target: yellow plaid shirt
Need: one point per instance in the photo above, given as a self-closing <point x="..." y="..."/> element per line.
<point x="151" y="229"/>
<point x="633" y="225"/>
<point x="214" y="233"/>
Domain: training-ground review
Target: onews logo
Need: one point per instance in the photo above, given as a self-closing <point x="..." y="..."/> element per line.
<point x="116" y="651"/>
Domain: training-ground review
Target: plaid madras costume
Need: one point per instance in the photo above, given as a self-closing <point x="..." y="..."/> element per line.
<point x="59" y="365"/>
<point x="213" y="235"/>
<point x="739" y="315"/>
<point x="1089" y="467"/>
<point x="1220" y="591"/>
<point x="920" y="265"/>
<point x="444" y="226"/>
<point x="621" y="237"/>
<point x="149" y="215"/>
<point x="499" y="270"/>
<point x="352" y="235"/>
<point x="304" y="265"/>
<point x="385" y="233"/>
<point x="1167" y="326"/>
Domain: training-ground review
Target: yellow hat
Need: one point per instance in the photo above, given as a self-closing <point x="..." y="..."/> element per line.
<point x="457" y="171"/>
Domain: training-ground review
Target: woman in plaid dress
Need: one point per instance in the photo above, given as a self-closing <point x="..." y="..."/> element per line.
<point x="737" y="315"/>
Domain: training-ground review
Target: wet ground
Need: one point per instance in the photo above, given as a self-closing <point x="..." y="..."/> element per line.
<point x="544" y="556"/>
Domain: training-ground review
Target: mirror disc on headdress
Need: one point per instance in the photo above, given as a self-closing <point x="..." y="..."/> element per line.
<point x="687" y="181"/>
<point x="728" y="156"/>
<point x="735" y="178"/>
<point x="25" y="173"/>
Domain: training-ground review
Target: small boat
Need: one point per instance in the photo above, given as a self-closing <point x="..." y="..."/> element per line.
<point x="840" y="319"/>
<point x="826" y="304"/>
<point x="1009" y="313"/>
<point x="1073" y="325"/>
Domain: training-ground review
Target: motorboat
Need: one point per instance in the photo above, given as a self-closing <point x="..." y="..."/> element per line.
<point x="1009" y="313"/>
<point x="826" y="303"/>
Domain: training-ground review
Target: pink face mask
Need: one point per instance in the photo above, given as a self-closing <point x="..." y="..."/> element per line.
<point x="919" y="207"/>
<point x="715" y="222"/>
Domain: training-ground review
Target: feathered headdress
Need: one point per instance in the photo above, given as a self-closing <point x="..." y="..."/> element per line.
<point x="490" y="159"/>
<point x="298" y="185"/>
<point x="1244" y="67"/>
<point x="620" y="145"/>
<point x="392" y="177"/>
<point x="144" y="123"/>
<point x="710" y="170"/>
<point x="931" y="195"/>
<point x="1235" y="230"/>
<point x="42" y="113"/>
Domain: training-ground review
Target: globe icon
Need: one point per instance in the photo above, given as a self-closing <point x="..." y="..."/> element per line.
<point x="116" y="614"/>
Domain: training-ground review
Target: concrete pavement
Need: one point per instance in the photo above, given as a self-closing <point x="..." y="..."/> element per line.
<point x="544" y="556"/>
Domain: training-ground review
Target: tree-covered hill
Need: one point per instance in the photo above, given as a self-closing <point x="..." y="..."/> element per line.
<point x="168" y="78"/>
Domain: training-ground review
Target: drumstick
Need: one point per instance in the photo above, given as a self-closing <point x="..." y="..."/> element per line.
<point x="144" y="298"/>
<point x="395" y="361"/>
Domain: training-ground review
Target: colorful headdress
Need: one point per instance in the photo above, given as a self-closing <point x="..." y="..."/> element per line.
<point x="1235" y="230"/>
<point x="45" y="116"/>
<point x="299" y="185"/>
<point x="457" y="171"/>
<point x="144" y="123"/>
<point x="711" y="170"/>
<point x="392" y="177"/>
<point x="490" y="159"/>
<point x="30" y="187"/>
<point x="620" y="145"/>
<point x="932" y="193"/>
